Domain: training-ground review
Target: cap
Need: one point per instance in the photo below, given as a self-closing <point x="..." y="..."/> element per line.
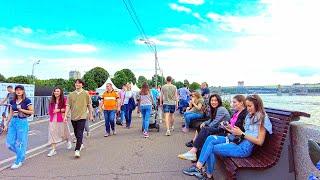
<point x="19" y="87"/>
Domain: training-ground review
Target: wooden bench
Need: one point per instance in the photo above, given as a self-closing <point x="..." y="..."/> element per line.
<point x="273" y="160"/>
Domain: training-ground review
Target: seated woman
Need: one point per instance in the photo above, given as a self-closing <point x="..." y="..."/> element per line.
<point x="237" y="119"/>
<point x="257" y="124"/>
<point x="218" y="113"/>
<point x="194" y="111"/>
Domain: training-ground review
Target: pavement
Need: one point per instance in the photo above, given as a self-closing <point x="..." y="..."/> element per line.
<point x="126" y="155"/>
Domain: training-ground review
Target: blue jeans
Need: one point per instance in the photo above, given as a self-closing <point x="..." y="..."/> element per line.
<point x="128" y="114"/>
<point x="17" y="137"/>
<point x="183" y="104"/>
<point x="109" y="116"/>
<point x="122" y="114"/>
<point x="190" y="116"/>
<point x="146" y="113"/>
<point x="216" y="145"/>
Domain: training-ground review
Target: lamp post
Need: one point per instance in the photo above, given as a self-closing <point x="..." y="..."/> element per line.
<point x="33" y="65"/>
<point x="146" y="41"/>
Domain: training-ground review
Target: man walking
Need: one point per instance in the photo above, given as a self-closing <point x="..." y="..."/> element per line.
<point x="169" y="100"/>
<point x="78" y="104"/>
<point x="111" y="104"/>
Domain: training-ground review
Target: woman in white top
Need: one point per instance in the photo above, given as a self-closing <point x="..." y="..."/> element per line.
<point x="128" y="105"/>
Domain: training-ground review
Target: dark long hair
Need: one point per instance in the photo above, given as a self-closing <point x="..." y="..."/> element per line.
<point x="258" y="106"/>
<point x="24" y="96"/>
<point x="213" y="111"/>
<point x="145" y="89"/>
<point x="61" y="103"/>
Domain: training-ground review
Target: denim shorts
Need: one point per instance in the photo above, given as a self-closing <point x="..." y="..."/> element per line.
<point x="169" y="108"/>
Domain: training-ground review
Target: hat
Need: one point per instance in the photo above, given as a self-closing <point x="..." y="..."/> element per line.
<point x="19" y="87"/>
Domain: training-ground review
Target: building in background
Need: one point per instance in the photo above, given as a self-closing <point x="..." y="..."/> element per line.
<point x="74" y="75"/>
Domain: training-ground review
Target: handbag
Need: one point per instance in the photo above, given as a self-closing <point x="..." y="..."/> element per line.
<point x="132" y="104"/>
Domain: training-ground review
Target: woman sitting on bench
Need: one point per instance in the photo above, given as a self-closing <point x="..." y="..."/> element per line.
<point x="237" y="119"/>
<point x="257" y="124"/>
<point x="218" y="114"/>
<point x="194" y="111"/>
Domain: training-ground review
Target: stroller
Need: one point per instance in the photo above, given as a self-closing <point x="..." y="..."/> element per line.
<point x="154" y="122"/>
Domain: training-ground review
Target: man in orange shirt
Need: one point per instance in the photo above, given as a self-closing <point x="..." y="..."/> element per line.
<point x="111" y="104"/>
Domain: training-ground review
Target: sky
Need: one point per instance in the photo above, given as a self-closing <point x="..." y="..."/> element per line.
<point x="260" y="42"/>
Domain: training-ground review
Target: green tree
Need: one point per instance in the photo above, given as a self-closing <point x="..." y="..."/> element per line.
<point x="69" y="85"/>
<point x="20" y="80"/>
<point x="2" y="78"/>
<point x="119" y="79"/>
<point x="179" y="84"/>
<point x="98" y="75"/>
<point x="90" y="83"/>
<point x="194" y="86"/>
<point x="130" y="75"/>
<point x="160" y="80"/>
<point x="141" y="80"/>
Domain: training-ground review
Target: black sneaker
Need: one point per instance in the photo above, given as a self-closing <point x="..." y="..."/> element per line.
<point x="189" y="144"/>
<point x="192" y="171"/>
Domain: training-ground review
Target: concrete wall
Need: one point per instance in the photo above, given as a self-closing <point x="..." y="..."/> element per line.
<point x="301" y="133"/>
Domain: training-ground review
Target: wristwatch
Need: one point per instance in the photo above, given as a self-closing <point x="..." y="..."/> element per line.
<point x="243" y="135"/>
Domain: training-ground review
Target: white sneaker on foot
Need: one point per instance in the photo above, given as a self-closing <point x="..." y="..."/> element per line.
<point x="172" y="128"/>
<point x="77" y="154"/>
<point x="69" y="145"/>
<point x="16" y="166"/>
<point x="81" y="147"/>
<point x="188" y="156"/>
<point x="52" y="153"/>
<point x="168" y="133"/>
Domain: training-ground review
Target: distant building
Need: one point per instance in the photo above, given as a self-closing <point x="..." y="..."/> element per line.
<point x="240" y="83"/>
<point x="74" y="75"/>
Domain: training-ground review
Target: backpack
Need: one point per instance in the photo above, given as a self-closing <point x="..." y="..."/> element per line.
<point x="95" y="101"/>
<point x="132" y="104"/>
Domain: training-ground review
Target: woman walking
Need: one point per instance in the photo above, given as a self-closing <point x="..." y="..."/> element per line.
<point x="17" y="125"/>
<point x="128" y="105"/>
<point x="58" y="128"/>
<point x="145" y="102"/>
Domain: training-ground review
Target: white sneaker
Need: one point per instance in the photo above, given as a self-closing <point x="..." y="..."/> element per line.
<point x="16" y="166"/>
<point x="69" y="145"/>
<point x="52" y="153"/>
<point x="168" y="133"/>
<point x="172" y="128"/>
<point x="81" y="147"/>
<point x="77" y="153"/>
<point x="188" y="156"/>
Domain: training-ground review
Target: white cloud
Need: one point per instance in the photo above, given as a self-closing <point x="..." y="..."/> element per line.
<point x="179" y="8"/>
<point x="79" y="48"/>
<point x="194" y="2"/>
<point x="198" y="16"/>
<point x="2" y="47"/>
<point x="22" y="30"/>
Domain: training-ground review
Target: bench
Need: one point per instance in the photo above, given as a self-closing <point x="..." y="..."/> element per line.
<point x="275" y="157"/>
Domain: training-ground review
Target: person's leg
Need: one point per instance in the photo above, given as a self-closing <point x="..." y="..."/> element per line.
<point x="130" y="117"/>
<point x="122" y="113"/>
<point x="126" y="114"/>
<point x="112" y="116"/>
<point x="107" y="121"/>
<point x="12" y="135"/>
<point x="22" y="140"/>
<point x="172" y="110"/>
<point x="80" y="128"/>
<point x="143" y="113"/>
<point x="147" y="118"/>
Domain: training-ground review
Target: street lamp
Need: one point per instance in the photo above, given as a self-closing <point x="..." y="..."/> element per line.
<point x="33" y="65"/>
<point x="149" y="42"/>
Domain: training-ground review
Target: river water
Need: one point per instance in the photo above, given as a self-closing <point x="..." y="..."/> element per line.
<point x="308" y="104"/>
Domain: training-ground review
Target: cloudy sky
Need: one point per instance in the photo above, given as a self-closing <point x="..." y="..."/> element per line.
<point x="262" y="42"/>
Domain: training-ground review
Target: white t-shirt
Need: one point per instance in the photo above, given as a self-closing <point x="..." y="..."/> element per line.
<point x="128" y="95"/>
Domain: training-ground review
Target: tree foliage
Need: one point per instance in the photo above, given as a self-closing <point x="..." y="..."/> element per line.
<point x="119" y="79"/>
<point x="20" y="80"/>
<point x="194" y="86"/>
<point x="130" y="75"/>
<point x="141" y="80"/>
<point x="96" y="77"/>
<point x="2" y="78"/>
<point x="179" y="84"/>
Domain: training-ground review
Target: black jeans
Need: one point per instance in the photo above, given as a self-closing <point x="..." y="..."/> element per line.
<point x="78" y="127"/>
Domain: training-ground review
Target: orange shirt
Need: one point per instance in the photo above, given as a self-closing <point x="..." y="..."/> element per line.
<point x="109" y="100"/>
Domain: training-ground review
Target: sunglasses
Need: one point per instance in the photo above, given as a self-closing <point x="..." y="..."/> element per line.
<point x="252" y="97"/>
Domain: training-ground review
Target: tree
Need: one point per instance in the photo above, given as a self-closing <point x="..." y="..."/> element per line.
<point x="98" y="75"/>
<point x="130" y="76"/>
<point x="179" y="84"/>
<point x="2" y="78"/>
<point x="69" y="85"/>
<point x="20" y="80"/>
<point x="141" y="80"/>
<point x="119" y="79"/>
<point x="90" y="83"/>
<point x="160" y="80"/>
<point x="194" y="86"/>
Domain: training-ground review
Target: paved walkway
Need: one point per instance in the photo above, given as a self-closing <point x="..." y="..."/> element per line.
<point x="124" y="156"/>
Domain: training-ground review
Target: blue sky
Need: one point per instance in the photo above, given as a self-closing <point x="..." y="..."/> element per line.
<point x="245" y="40"/>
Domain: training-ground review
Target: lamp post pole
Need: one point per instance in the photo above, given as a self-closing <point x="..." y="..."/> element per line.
<point x="155" y="58"/>
<point x="33" y="65"/>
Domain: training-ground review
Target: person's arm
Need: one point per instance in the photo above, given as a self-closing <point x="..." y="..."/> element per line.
<point x="197" y="106"/>
<point x="6" y="123"/>
<point x="258" y="141"/>
<point x="161" y="98"/>
<point x="221" y="113"/>
<point x="177" y="100"/>
<point x="28" y="111"/>
<point x="67" y="111"/>
<point x="89" y="105"/>
<point x="4" y="100"/>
